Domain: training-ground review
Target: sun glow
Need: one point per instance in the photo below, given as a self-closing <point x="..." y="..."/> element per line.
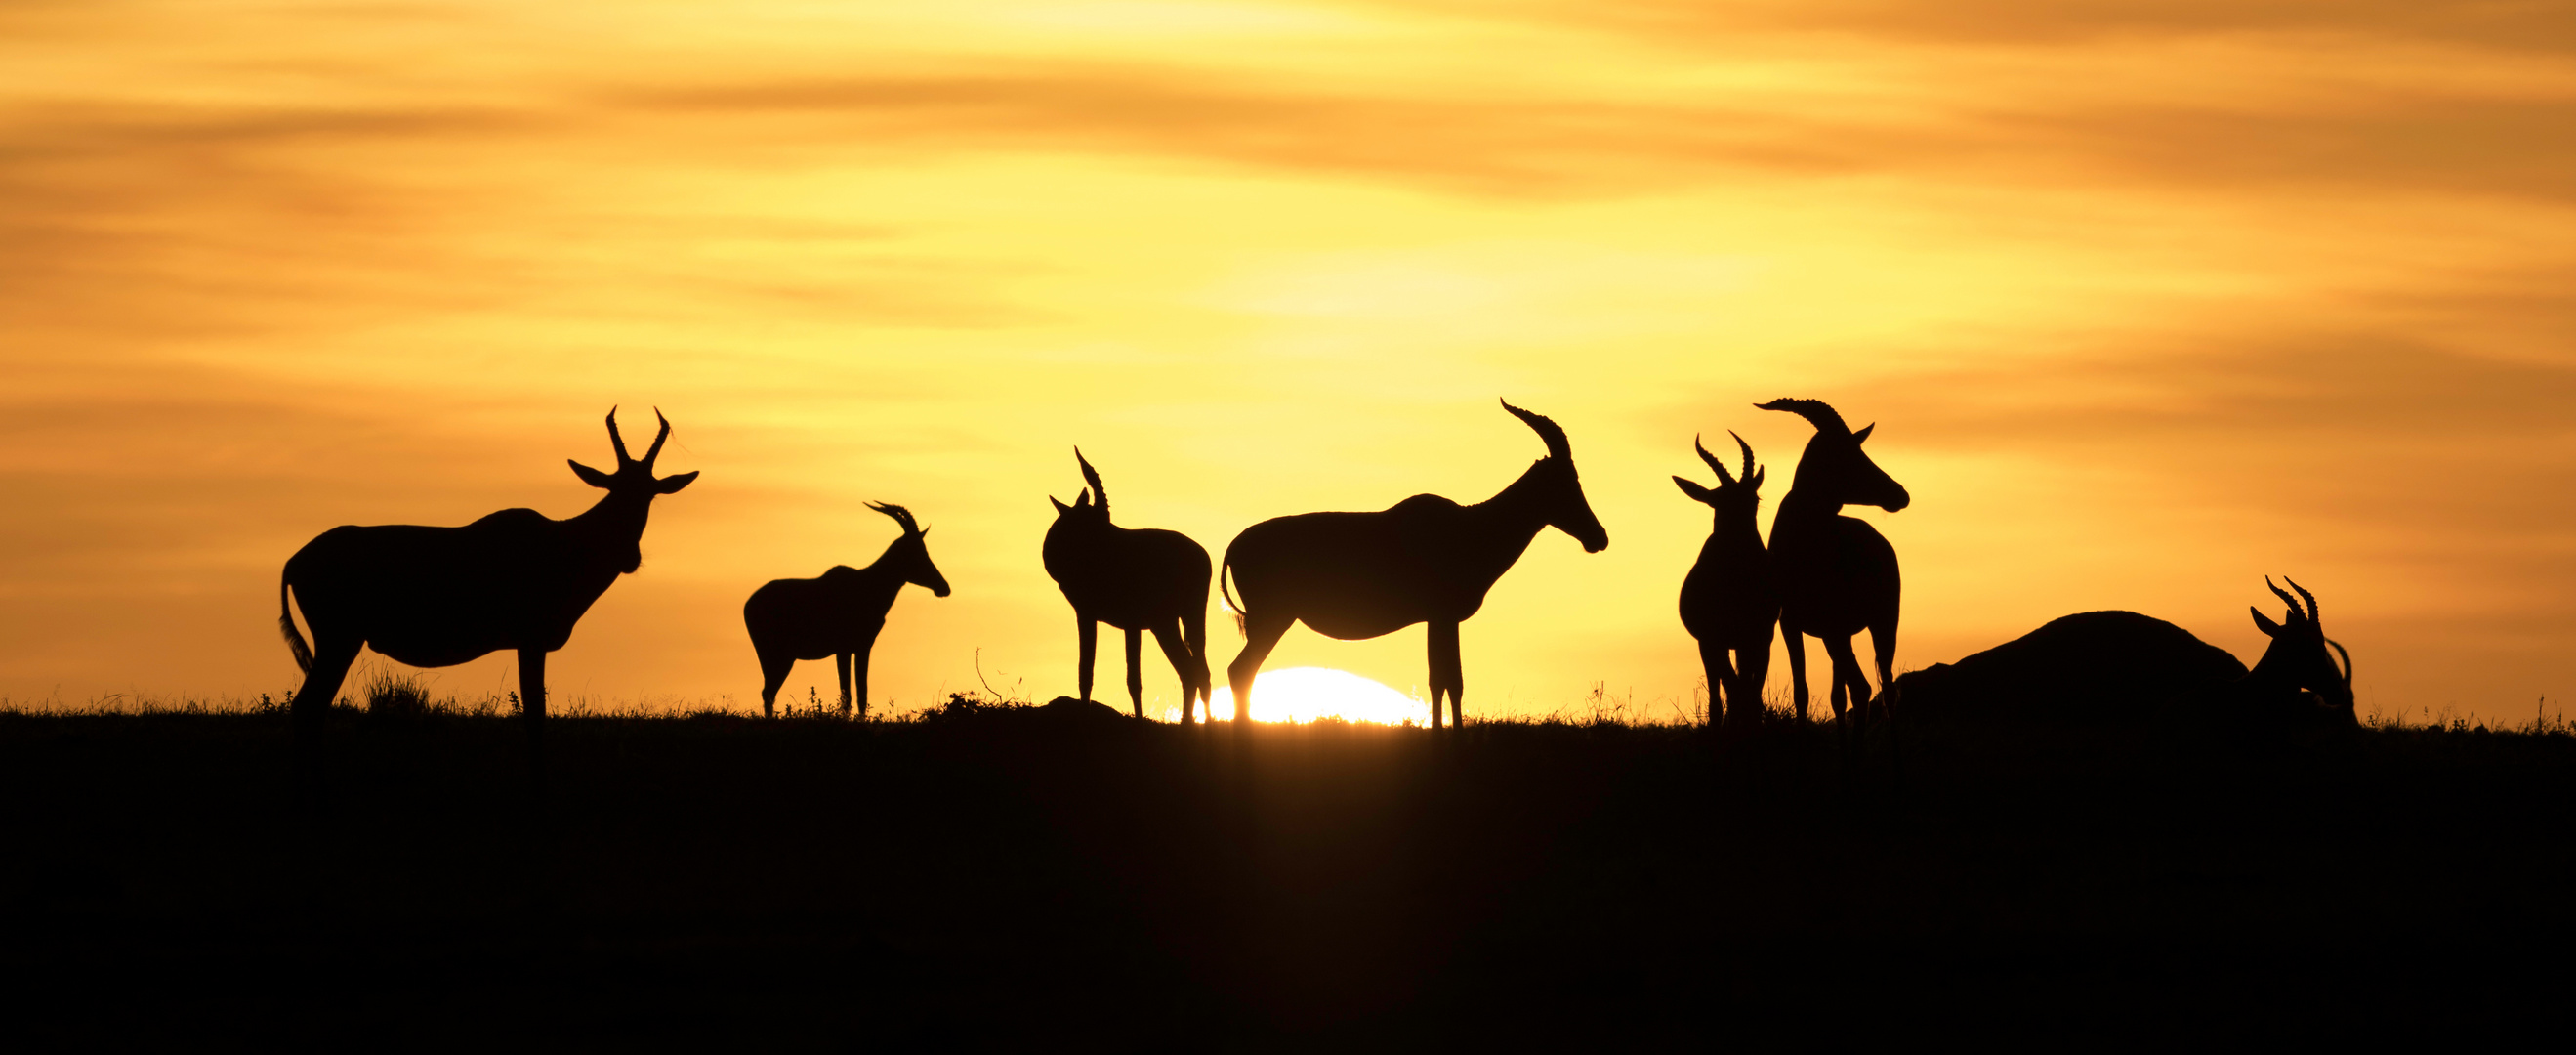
<point x="1304" y="694"/>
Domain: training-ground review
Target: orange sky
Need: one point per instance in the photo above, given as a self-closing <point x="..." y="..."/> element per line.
<point x="2148" y="300"/>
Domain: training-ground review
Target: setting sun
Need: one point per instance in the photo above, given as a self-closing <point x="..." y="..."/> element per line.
<point x="1304" y="694"/>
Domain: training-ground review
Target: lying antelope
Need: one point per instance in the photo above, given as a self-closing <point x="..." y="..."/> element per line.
<point x="1729" y="601"/>
<point x="1424" y="560"/>
<point x="1837" y="574"/>
<point x="439" y="596"/>
<point x="1134" y="579"/>
<point x="2296" y="679"/>
<point x="836" y="615"/>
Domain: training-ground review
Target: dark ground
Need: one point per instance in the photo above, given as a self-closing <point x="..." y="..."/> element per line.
<point x="981" y="879"/>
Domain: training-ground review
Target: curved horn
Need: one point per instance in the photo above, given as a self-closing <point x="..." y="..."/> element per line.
<point x="2285" y="597"/>
<point x="1747" y="472"/>
<point x="617" y="441"/>
<point x="902" y="516"/>
<point x="1547" y="431"/>
<point x="1092" y="476"/>
<point x="655" y="451"/>
<point x="2303" y="592"/>
<point x="1712" y="461"/>
<point x="2347" y="664"/>
<point x="1814" y="410"/>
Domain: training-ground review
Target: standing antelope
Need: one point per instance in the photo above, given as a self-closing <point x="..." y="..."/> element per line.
<point x="1837" y="574"/>
<point x="1730" y="601"/>
<point x="2296" y="678"/>
<point x="1424" y="560"/>
<point x="836" y="615"/>
<point x="439" y="596"/>
<point x="1134" y="579"/>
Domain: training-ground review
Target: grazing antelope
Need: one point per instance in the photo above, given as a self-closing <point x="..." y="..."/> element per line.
<point x="1837" y="574"/>
<point x="439" y="596"/>
<point x="1424" y="560"/>
<point x="1729" y="601"/>
<point x="2296" y="679"/>
<point x="1134" y="579"/>
<point x="836" y="615"/>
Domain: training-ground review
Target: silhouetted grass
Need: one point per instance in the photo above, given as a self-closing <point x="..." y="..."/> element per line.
<point x="985" y="871"/>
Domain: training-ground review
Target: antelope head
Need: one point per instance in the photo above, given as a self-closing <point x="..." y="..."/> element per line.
<point x="2297" y="657"/>
<point x="1737" y="496"/>
<point x="1089" y="507"/>
<point x="1833" y="466"/>
<point x="632" y="488"/>
<point x="1560" y="489"/>
<point x="910" y="555"/>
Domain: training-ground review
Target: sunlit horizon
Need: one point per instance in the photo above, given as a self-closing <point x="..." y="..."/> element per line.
<point x="1300" y="695"/>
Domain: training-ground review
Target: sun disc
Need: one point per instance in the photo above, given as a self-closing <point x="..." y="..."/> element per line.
<point x="1304" y="694"/>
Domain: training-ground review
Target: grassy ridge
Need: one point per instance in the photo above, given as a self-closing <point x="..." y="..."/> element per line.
<point x="1001" y="874"/>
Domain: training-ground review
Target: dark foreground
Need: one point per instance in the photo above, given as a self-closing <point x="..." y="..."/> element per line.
<point x="1000" y="878"/>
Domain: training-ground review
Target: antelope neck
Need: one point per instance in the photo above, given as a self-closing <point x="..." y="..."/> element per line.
<point x="1507" y="522"/>
<point x="614" y="520"/>
<point x="2271" y="672"/>
<point x="882" y="576"/>
<point x="1803" y="507"/>
<point x="1739" y="527"/>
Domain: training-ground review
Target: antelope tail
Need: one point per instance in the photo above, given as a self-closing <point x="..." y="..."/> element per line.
<point x="286" y="625"/>
<point x="1230" y="605"/>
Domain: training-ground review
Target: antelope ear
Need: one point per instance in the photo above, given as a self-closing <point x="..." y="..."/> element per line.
<point x="673" y="484"/>
<point x="2264" y="623"/>
<point x="1060" y="508"/>
<point x="1862" y="436"/>
<point x="588" y="475"/>
<point x="1695" y="491"/>
<point x="1756" y="481"/>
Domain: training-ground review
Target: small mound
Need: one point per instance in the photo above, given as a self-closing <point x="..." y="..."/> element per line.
<point x="1071" y="711"/>
<point x="2088" y="667"/>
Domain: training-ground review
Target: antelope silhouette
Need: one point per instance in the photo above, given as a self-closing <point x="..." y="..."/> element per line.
<point x="439" y="596"/>
<point x="1837" y="574"/>
<point x="838" y="614"/>
<point x="1729" y="600"/>
<point x="2296" y="679"/>
<point x="2112" y="667"/>
<point x="1134" y="579"/>
<point x="1423" y="560"/>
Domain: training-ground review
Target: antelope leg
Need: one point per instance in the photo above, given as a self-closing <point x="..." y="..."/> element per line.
<point x="841" y="665"/>
<point x="1135" y="672"/>
<point x="1088" y="634"/>
<point x="1261" y="634"/>
<point x="1177" y="649"/>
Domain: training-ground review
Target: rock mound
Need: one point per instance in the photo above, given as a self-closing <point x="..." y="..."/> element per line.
<point x="1070" y="711"/>
<point x="2088" y="667"/>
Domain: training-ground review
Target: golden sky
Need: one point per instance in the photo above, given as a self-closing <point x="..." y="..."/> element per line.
<point x="2149" y="299"/>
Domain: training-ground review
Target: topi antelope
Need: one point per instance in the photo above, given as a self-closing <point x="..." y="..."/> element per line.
<point x="1134" y="579"/>
<point x="1424" y="560"/>
<point x="1729" y="601"/>
<point x="439" y="596"/>
<point x="2296" y="679"/>
<point x="836" y="615"/>
<point x="1837" y="574"/>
